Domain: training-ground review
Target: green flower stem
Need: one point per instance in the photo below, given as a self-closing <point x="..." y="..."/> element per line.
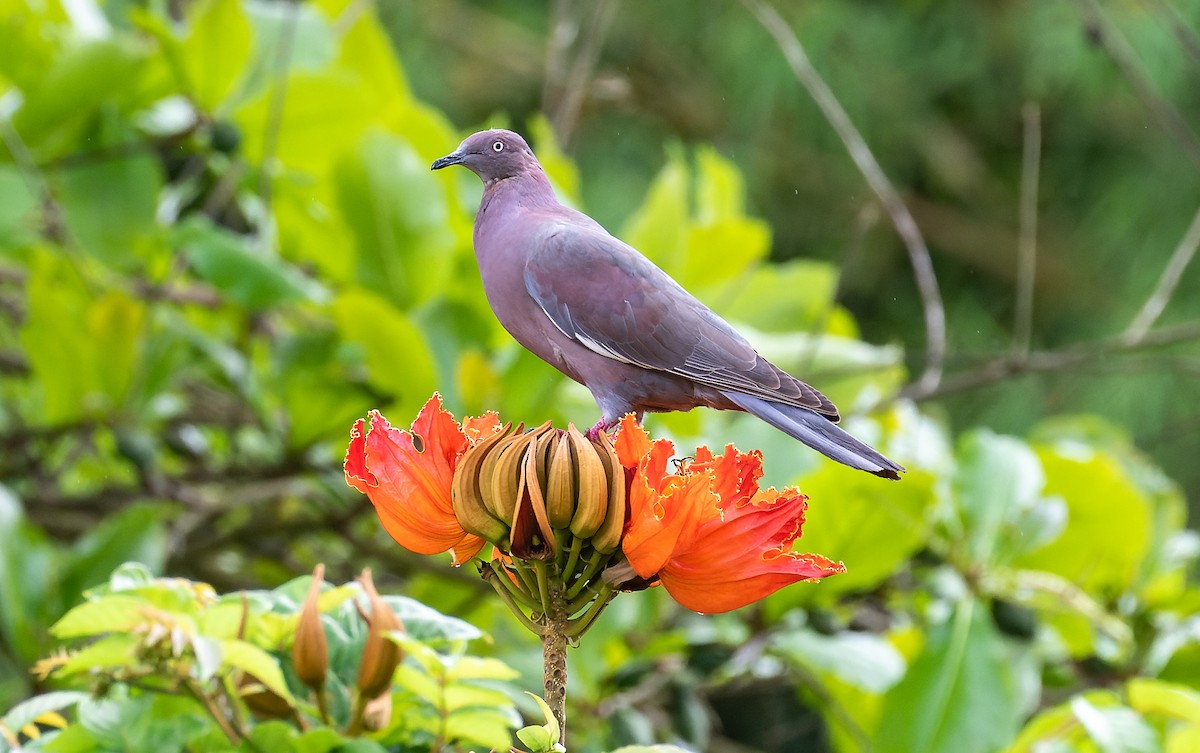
<point x="528" y="582"/>
<point x="583" y="599"/>
<point x="594" y="563"/>
<point x="511" y="603"/>
<point x="572" y="559"/>
<point x="502" y="577"/>
<point x="579" y="626"/>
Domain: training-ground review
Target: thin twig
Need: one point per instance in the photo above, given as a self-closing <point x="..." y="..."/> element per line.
<point x="1183" y="32"/>
<point x="902" y="219"/>
<point x="1072" y="357"/>
<point x="1125" y="58"/>
<point x="1031" y="157"/>
<point x="569" y="90"/>
<point x="1167" y="283"/>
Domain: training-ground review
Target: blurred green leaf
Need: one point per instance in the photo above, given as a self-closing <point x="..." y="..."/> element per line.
<point x="850" y="520"/>
<point x="80" y="78"/>
<point x="1115" y="729"/>
<point x="864" y="660"/>
<point x="251" y="277"/>
<point x="252" y="660"/>
<point x="1102" y="557"/>
<point x="82" y="349"/>
<point x="999" y="482"/>
<point x="117" y="613"/>
<point x="18" y="209"/>
<point x="394" y="206"/>
<point x="215" y="50"/>
<point x="960" y="693"/>
<point x="398" y="362"/>
<point x="108" y="205"/>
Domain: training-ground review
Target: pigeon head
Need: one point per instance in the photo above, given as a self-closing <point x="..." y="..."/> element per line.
<point x="492" y="155"/>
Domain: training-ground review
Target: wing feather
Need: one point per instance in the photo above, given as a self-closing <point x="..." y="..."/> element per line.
<point x="606" y="296"/>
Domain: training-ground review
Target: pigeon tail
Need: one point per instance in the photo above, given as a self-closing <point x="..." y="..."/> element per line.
<point x="819" y="433"/>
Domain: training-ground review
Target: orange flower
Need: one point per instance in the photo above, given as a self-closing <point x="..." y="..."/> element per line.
<point x="706" y="531"/>
<point x="408" y="474"/>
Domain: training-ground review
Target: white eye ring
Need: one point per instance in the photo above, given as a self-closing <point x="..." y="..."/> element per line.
<point x="498" y="146"/>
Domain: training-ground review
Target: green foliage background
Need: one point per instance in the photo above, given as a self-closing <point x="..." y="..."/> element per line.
<point x="220" y="243"/>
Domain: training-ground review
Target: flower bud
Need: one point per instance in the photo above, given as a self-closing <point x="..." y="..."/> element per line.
<point x="525" y="486"/>
<point x="381" y="655"/>
<point x="310" y="652"/>
<point x="473" y="515"/>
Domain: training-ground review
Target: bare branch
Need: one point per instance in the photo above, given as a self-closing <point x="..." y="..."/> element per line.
<point x="566" y="85"/>
<point x="1125" y="58"/>
<point x="1065" y="359"/>
<point x="1171" y="274"/>
<point x="1031" y="157"/>
<point x="902" y="219"/>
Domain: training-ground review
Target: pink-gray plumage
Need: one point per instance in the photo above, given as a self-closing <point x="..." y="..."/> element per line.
<point x="607" y="317"/>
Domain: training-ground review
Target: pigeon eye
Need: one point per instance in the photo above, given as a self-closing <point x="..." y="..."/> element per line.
<point x="498" y="146"/>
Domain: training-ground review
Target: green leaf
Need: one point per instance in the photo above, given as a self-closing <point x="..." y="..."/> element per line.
<point x="252" y="660"/>
<point x="81" y="77"/>
<point x="394" y="350"/>
<point x="135" y="534"/>
<point x="998" y="480"/>
<point x="659" y="226"/>
<point x="651" y="749"/>
<point x="766" y="298"/>
<point x="536" y="738"/>
<point x="27" y="711"/>
<point x="1115" y="729"/>
<point x="249" y="276"/>
<point x="111" y="651"/>
<point x="959" y="695"/>
<point x="82" y="349"/>
<point x="426" y="624"/>
<point x="18" y="209"/>
<point x="107" y="614"/>
<point x="109" y="204"/>
<point x="481" y="668"/>
<point x="864" y="660"/>
<point x="489" y="728"/>
<point x="1108" y="520"/>
<point x="872" y="533"/>
<point x="275" y="736"/>
<point x="396" y="209"/>
<point x="215" y="51"/>
<point x="1154" y="697"/>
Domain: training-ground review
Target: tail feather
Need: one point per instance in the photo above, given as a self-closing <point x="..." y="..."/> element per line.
<point x="819" y="433"/>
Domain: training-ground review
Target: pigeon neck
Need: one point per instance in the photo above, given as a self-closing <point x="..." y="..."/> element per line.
<point x="529" y="188"/>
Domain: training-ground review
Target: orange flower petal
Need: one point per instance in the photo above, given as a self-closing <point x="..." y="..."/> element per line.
<point x="631" y="442"/>
<point x="480" y="428"/>
<point x="408" y="474"/>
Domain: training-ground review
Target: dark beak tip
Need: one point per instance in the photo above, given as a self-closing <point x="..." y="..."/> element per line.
<point x="449" y="159"/>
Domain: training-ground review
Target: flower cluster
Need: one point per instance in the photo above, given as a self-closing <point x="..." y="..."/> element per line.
<point x="597" y="516"/>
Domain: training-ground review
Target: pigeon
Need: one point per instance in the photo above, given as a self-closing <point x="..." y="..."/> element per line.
<point x="606" y="316"/>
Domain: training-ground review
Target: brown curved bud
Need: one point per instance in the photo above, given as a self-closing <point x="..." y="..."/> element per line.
<point x="556" y="476"/>
<point x="608" y="537"/>
<point x="310" y="651"/>
<point x="381" y="655"/>
<point x="466" y="495"/>
<point x="591" y="506"/>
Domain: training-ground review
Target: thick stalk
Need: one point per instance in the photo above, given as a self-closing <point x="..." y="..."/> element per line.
<point x="554" y="655"/>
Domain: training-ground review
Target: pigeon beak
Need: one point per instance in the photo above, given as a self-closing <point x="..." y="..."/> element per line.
<point x="453" y="158"/>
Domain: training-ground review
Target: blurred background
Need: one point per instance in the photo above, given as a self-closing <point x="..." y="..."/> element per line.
<point x="220" y="243"/>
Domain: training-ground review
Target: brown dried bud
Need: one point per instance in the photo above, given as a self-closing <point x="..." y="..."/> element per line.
<point x="517" y="489"/>
<point x="310" y="651"/>
<point x="381" y="655"/>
